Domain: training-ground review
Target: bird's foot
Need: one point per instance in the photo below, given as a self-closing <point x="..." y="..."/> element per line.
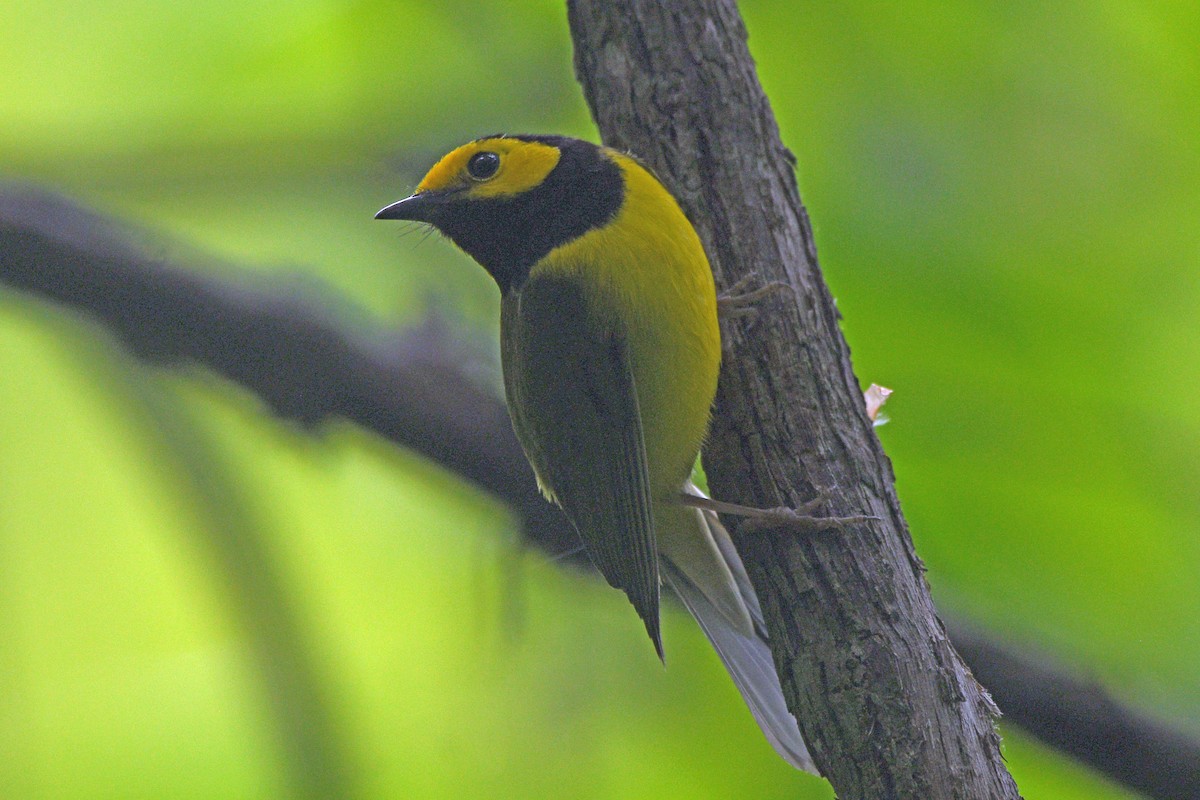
<point x="738" y="302"/>
<point x="799" y="519"/>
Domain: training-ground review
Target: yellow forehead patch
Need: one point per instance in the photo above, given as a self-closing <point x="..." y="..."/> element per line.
<point x="523" y="165"/>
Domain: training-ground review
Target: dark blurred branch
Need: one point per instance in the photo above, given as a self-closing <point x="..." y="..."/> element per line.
<point x="280" y="341"/>
<point x="54" y="249"/>
<point x="309" y="366"/>
<point x="1083" y="720"/>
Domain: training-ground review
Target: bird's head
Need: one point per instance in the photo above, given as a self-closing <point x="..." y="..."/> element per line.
<point x="509" y="200"/>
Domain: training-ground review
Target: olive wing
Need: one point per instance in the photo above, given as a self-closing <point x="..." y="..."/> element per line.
<point x="574" y="404"/>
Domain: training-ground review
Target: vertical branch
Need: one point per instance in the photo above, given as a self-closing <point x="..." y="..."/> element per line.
<point x="888" y="708"/>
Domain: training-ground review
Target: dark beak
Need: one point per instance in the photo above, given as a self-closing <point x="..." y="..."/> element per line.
<point x="416" y="208"/>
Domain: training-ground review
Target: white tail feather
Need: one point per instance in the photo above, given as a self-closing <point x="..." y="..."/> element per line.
<point x="743" y="650"/>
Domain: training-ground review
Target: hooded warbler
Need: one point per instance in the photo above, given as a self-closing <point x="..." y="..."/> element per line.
<point x="610" y="350"/>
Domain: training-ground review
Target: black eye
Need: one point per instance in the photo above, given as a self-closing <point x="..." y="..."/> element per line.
<point x="483" y="165"/>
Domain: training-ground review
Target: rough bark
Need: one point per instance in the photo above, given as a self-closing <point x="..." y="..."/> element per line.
<point x="310" y="366"/>
<point x="888" y="708"/>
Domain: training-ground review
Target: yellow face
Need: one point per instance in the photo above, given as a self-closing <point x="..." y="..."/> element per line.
<point x="495" y="167"/>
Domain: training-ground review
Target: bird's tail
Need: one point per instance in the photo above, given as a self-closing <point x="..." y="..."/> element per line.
<point x="707" y="575"/>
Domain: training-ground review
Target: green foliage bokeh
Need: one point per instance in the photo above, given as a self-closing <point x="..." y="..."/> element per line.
<point x="1005" y="198"/>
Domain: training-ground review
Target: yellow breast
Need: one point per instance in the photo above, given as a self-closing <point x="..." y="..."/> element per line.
<point x="651" y="278"/>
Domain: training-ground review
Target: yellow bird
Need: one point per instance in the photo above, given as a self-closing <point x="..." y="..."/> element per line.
<point x="610" y="350"/>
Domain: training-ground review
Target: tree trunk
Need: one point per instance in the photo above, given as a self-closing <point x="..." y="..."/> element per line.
<point x="888" y="708"/>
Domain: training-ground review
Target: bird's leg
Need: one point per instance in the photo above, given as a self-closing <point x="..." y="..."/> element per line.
<point x="798" y="519"/>
<point x="737" y="302"/>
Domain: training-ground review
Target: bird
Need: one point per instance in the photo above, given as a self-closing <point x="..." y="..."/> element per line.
<point x="610" y="352"/>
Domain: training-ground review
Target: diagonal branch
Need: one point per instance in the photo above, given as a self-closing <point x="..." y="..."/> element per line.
<point x="280" y="342"/>
<point x="886" y="705"/>
<point x="309" y="366"/>
<point x="1082" y="719"/>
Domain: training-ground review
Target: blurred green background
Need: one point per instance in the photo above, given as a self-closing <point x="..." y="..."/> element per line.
<point x="197" y="600"/>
